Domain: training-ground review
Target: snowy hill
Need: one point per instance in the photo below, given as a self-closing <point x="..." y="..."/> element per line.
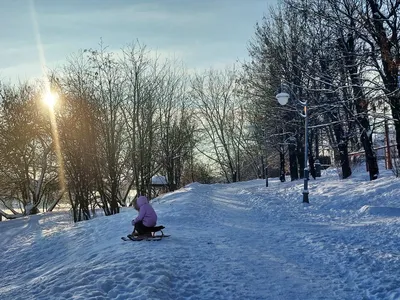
<point x="228" y="241"/>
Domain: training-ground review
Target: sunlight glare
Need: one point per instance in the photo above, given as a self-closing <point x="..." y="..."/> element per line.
<point x="50" y="99"/>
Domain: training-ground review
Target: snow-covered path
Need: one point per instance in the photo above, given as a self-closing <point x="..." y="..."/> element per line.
<point x="236" y="241"/>
<point x="244" y="256"/>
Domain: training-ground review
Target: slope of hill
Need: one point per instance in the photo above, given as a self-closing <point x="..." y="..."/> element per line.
<point x="228" y="241"/>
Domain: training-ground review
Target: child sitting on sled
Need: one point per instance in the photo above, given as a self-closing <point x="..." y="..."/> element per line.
<point x="146" y="219"/>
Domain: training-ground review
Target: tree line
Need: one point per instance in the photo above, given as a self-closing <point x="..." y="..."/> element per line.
<point x="121" y="118"/>
<point x="342" y="57"/>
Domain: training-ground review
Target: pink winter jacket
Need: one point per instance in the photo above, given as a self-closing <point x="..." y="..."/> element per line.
<point x="146" y="213"/>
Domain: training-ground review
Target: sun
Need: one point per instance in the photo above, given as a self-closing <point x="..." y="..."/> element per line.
<point x="50" y="99"/>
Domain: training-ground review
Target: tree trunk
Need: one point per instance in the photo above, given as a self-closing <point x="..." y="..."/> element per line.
<point x="317" y="143"/>
<point x="114" y="208"/>
<point x="300" y="158"/>
<point x="396" y="117"/>
<point x="234" y="176"/>
<point x="343" y="151"/>
<point x="344" y="160"/>
<point x="262" y="167"/>
<point x="311" y="163"/>
<point x="294" y="174"/>
<point x="348" y="49"/>
<point x="388" y="43"/>
<point x="282" y="165"/>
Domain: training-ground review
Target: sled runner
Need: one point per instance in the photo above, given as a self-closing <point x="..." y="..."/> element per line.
<point x="150" y="236"/>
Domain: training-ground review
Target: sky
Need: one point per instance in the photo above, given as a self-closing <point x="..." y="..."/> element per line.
<point x="206" y="33"/>
<point x="227" y="241"/>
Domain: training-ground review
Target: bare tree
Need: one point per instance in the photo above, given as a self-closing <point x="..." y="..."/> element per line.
<point x="222" y="118"/>
<point x="380" y="23"/>
<point x="176" y="129"/>
<point x="140" y="113"/>
<point x="107" y="80"/>
<point x="78" y="131"/>
<point x="26" y="149"/>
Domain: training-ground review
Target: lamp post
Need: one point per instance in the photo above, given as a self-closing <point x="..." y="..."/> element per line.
<point x="283" y="99"/>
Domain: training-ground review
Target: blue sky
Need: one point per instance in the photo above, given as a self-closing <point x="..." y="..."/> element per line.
<point x="203" y="33"/>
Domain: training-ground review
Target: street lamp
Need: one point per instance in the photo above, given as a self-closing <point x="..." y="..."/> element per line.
<point x="283" y="99"/>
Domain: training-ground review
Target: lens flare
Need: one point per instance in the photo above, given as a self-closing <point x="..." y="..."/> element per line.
<point x="49" y="97"/>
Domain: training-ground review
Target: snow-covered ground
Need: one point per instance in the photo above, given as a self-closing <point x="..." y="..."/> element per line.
<point x="228" y="241"/>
